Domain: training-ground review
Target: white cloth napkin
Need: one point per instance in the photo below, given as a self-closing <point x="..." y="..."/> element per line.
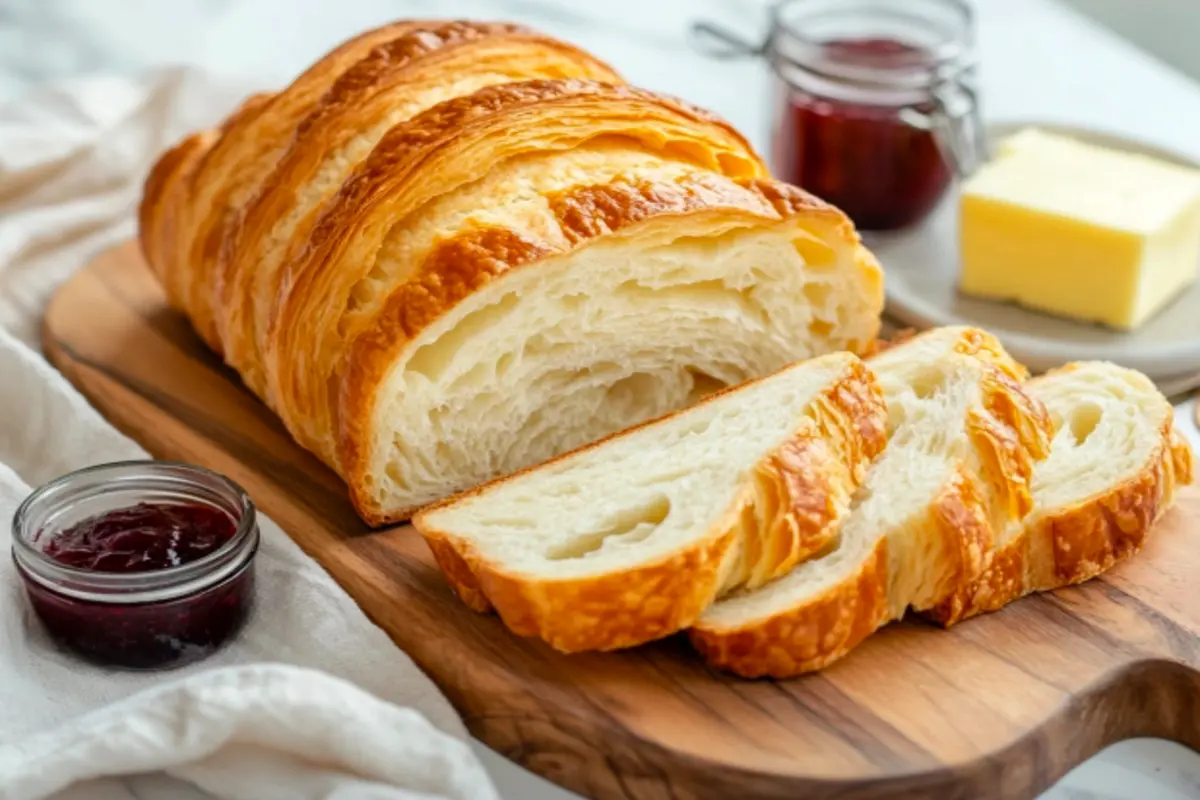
<point x="264" y="718"/>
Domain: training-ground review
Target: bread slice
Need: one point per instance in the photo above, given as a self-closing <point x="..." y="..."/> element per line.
<point x="1114" y="465"/>
<point x="963" y="441"/>
<point x="629" y="539"/>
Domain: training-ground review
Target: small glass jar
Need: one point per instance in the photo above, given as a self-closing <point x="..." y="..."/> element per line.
<point x="876" y="107"/>
<point x="152" y="618"/>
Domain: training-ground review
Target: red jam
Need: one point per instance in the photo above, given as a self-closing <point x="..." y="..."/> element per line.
<point x="859" y="156"/>
<point x="169" y="630"/>
<point x="143" y="537"/>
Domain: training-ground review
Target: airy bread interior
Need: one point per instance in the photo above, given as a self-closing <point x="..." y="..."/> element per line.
<point x="1109" y="424"/>
<point x="639" y="497"/>
<point x="730" y="492"/>
<point x="554" y="358"/>
<point x="393" y="84"/>
<point x="1115" y="446"/>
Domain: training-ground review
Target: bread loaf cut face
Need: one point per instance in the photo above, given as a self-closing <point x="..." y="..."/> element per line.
<point x="963" y="441"/>
<point x="629" y="539"/>
<point x="1114" y="465"/>
<point x="570" y="259"/>
<point x="580" y="345"/>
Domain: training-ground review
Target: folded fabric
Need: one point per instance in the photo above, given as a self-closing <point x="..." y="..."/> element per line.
<point x="265" y="717"/>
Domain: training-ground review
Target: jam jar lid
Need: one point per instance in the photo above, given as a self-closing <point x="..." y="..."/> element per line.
<point x="113" y="488"/>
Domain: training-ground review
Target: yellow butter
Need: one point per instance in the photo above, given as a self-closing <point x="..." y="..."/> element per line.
<point x="1079" y="230"/>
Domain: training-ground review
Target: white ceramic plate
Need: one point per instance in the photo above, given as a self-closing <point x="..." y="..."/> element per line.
<point x="922" y="266"/>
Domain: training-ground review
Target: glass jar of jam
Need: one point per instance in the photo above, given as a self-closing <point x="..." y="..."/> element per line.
<point x="877" y="109"/>
<point x="138" y="564"/>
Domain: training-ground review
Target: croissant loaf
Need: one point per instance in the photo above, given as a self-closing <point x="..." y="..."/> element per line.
<point x="450" y="250"/>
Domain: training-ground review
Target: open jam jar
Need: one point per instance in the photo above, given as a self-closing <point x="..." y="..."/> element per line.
<point x="877" y="109"/>
<point x="138" y="564"/>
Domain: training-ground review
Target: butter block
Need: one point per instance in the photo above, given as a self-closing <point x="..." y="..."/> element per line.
<point x="1078" y="230"/>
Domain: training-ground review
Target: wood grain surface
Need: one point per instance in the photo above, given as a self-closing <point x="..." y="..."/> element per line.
<point x="999" y="707"/>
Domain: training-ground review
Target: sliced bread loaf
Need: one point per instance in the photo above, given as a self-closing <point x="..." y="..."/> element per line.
<point x="631" y="538"/>
<point x="1115" y="462"/>
<point x="957" y="469"/>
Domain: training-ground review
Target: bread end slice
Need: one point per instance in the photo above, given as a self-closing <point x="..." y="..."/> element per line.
<point x="1115" y="463"/>
<point x="582" y="581"/>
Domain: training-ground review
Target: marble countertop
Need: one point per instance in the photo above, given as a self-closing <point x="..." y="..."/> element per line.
<point x="1040" y="60"/>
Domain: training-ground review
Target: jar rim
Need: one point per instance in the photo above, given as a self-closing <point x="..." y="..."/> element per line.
<point x="150" y="585"/>
<point x="941" y="62"/>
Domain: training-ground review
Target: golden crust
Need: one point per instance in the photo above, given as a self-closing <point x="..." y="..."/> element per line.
<point x="1076" y="544"/>
<point x="1012" y="435"/>
<point x="227" y="175"/>
<point x="821" y="463"/>
<point x="808" y="637"/>
<point x="1183" y="461"/>
<point x="156" y="225"/>
<point x="1070" y="547"/>
<point x="797" y="496"/>
<point x="1009" y="433"/>
<point x="363" y="97"/>
<point x="166" y="206"/>
<point x="458" y="573"/>
<point x="823" y="629"/>
<point x="611" y="611"/>
<point x="987" y="348"/>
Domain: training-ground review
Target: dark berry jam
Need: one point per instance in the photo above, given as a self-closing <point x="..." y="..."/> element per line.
<point x="143" y="537"/>
<point x="145" y="582"/>
<point x="858" y="155"/>
<point x="147" y="635"/>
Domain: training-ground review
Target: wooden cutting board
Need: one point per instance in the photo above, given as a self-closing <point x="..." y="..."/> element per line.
<point x="999" y="707"/>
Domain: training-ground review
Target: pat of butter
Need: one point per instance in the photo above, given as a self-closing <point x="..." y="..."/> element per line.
<point x="1078" y="230"/>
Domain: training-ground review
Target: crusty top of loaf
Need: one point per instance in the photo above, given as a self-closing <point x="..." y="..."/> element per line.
<point x="387" y="85"/>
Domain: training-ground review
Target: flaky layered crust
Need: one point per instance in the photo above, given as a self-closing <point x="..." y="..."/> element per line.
<point x="391" y="83"/>
<point x="794" y="498"/>
<point x="349" y="344"/>
<point x="1071" y="545"/>
<point x="1008" y="435"/>
<point x="240" y="177"/>
<point x="228" y="172"/>
<point x="804" y="638"/>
